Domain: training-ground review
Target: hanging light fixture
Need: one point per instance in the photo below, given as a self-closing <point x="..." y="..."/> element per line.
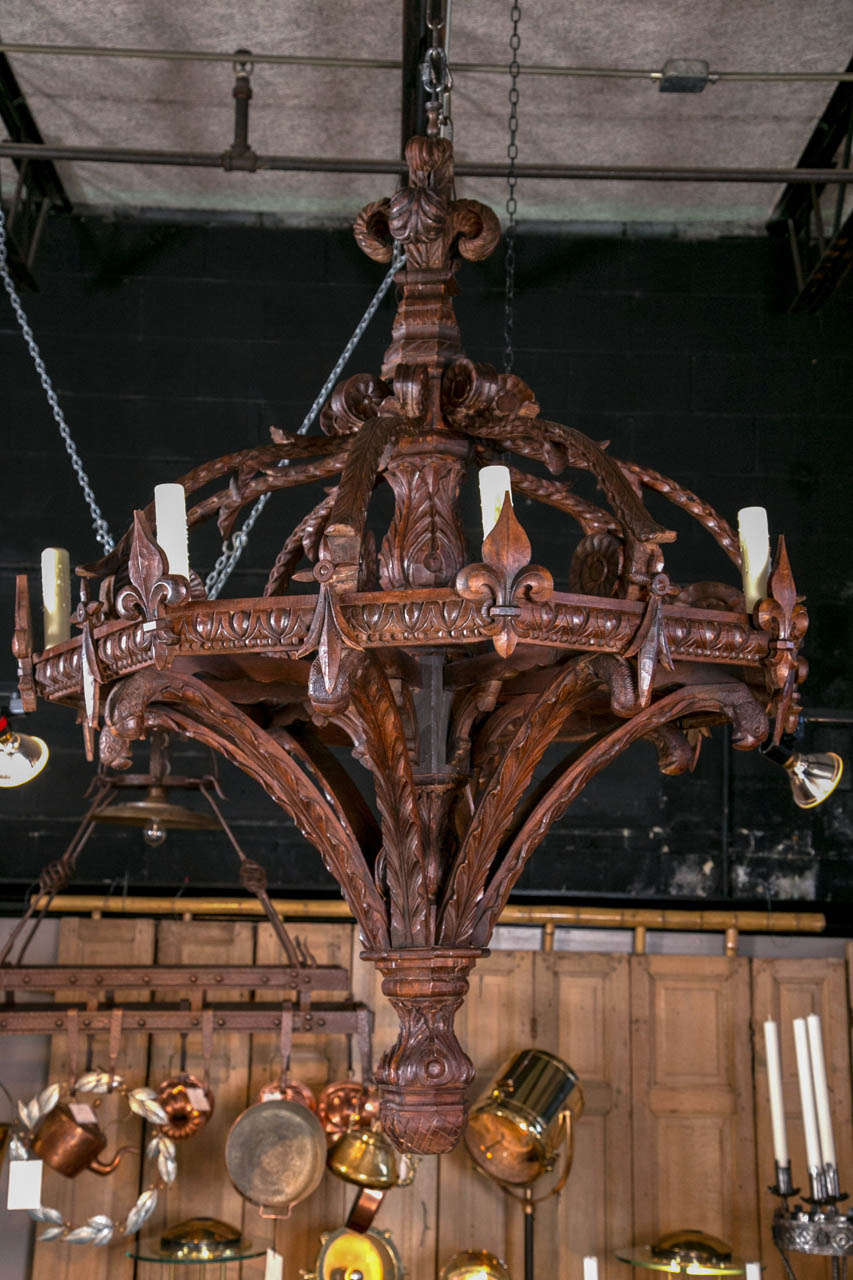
<point x="152" y="810"/>
<point x="22" y="757"/>
<point x="451" y="669"/>
<point x="474" y="1264"/>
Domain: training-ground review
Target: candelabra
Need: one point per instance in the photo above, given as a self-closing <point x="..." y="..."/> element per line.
<point x="816" y="1225"/>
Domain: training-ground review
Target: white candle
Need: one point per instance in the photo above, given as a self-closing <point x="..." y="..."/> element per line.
<point x="170" y="513"/>
<point x="494" y="487"/>
<point x="754" y="537"/>
<point x="804" y="1071"/>
<point x="753" y="1269"/>
<point x="590" y="1268"/>
<point x="774" y="1085"/>
<point x="821" y="1090"/>
<point x="56" y="595"/>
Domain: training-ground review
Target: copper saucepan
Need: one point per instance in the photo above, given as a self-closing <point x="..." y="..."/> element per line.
<point x="346" y="1104"/>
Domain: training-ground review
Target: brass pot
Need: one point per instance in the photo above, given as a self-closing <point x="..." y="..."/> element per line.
<point x="70" y="1146"/>
<point x="367" y="1158"/>
<point x="185" y="1118"/>
<point x="514" y="1132"/>
<point x="345" y="1253"/>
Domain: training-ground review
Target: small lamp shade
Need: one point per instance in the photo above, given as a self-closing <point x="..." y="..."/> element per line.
<point x="474" y="1264"/>
<point x="813" y="777"/>
<point x="22" y="757"/>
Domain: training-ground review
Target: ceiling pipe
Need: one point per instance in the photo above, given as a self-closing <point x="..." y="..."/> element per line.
<point x="340" y="164"/>
<point x="394" y="64"/>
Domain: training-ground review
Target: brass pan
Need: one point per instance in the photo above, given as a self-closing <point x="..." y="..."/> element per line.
<point x="275" y="1154"/>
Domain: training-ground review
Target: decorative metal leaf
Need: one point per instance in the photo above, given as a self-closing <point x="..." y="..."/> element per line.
<point x="28" y="1111"/>
<point x="48" y="1099"/>
<point x="81" y="1235"/>
<point x="52" y="1233"/>
<point x="141" y="1212"/>
<point x="45" y="1214"/>
<point x="96" y="1082"/>
<point x="167" y="1166"/>
<point x="103" y="1237"/>
<point x="17" y="1150"/>
<point x="143" y="1102"/>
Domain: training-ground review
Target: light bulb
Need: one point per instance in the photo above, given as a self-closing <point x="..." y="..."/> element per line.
<point x="154" y="834"/>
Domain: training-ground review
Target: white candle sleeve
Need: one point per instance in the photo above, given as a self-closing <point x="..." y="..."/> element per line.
<point x="56" y="595"/>
<point x="754" y="537"/>
<point x="774" y="1085"/>
<point x="590" y="1268"/>
<point x="494" y="486"/>
<point x="170" y="513"/>
<point x="821" y="1089"/>
<point x="753" y="1271"/>
<point x="804" y="1072"/>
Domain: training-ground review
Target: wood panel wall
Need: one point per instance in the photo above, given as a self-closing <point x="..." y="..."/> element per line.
<point x="670" y="1051"/>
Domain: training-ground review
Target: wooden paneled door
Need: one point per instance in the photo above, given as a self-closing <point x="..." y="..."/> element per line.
<point x="784" y="990"/>
<point x="693" y="1123"/>
<point x="581" y="1014"/>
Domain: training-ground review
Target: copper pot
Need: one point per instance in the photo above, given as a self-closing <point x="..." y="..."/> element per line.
<point x="179" y="1097"/>
<point x="347" y="1104"/>
<point x="288" y="1091"/>
<point x="70" y="1146"/>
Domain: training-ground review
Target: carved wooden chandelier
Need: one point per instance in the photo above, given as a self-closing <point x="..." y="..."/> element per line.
<point x="450" y="678"/>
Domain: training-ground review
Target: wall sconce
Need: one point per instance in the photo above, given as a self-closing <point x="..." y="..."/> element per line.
<point x="22" y="757"/>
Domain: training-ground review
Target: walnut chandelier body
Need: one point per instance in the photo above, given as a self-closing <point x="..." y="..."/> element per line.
<point x="449" y="674"/>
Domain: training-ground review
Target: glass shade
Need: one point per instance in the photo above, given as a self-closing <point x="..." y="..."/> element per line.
<point x="22" y="757"/>
<point x="813" y="777"/>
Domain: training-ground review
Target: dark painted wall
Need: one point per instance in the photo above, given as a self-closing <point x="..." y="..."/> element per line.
<point x="174" y="344"/>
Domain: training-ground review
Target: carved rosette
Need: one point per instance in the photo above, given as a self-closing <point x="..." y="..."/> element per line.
<point x="424" y="1076"/>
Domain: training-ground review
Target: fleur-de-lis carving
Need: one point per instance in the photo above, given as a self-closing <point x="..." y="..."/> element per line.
<point x="783" y="616"/>
<point x="150" y="590"/>
<point x="504" y="579"/>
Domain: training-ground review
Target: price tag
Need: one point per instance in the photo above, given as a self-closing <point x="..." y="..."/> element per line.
<point x="275" y="1266"/>
<point x="198" y="1099"/>
<point x="82" y="1112"/>
<point x="25" y="1184"/>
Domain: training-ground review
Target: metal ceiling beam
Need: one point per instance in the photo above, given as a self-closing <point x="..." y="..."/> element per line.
<point x="822" y="255"/>
<point x="342" y="164"/>
<point x="413" y="97"/>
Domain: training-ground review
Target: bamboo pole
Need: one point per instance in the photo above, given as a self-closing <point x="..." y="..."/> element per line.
<point x="715" y="921"/>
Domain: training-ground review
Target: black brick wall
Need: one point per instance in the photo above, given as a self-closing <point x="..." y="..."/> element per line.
<point x="171" y="344"/>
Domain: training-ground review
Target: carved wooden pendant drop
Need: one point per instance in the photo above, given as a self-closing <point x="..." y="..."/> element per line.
<point x="449" y="668"/>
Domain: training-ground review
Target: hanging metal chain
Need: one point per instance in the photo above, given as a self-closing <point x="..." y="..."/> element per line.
<point x="99" y="524"/>
<point x="435" y="74"/>
<point x="512" y="182"/>
<point x="233" y="548"/>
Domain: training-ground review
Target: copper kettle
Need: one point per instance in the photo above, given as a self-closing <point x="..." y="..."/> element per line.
<point x="69" y="1146"/>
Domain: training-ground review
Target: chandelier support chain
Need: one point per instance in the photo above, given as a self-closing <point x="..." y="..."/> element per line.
<point x="449" y="669"/>
<point x="512" y="183"/>
<point x="232" y="550"/>
<point x="99" y="524"/>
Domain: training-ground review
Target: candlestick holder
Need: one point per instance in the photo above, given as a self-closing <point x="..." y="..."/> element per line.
<point x="817" y="1226"/>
